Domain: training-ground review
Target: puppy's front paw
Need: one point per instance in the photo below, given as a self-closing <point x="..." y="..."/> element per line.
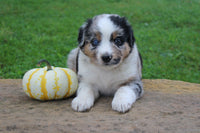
<point x="121" y="105"/>
<point x="123" y="100"/>
<point x="82" y="104"/>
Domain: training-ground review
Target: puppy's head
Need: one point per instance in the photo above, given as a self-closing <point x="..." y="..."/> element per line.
<point x="106" y="39"/>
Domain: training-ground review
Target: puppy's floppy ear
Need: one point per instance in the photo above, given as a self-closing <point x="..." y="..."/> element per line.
<point x="83" y="31"/>
<point x="124" y="24"/>
<point x="81" y="36"/>
<point x="131" y="38"/>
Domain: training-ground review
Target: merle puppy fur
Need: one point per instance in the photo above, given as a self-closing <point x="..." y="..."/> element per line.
<point x="107" y="62"/>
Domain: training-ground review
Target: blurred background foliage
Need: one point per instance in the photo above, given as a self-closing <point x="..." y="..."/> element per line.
<point x="167" y="33"/>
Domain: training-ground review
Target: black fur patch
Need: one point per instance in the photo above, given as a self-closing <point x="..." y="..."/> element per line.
<point x="80" y="35"/>
<point x="122" y="23"/>
<point x="77" y="57"/>
<point x="141" y="59"/>
<point x="87" y="27"/>
<point x="84" y="31"/>
<point x="138" y="89"/>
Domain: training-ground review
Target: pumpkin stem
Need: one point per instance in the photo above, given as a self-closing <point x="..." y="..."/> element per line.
<point x="47" y="63"/>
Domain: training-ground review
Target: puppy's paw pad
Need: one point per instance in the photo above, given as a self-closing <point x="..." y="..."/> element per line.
<point x="121" y="105"/>
<point x="80" y="105"/>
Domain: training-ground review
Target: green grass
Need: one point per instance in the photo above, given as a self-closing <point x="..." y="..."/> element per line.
<point x="167" y="33"/>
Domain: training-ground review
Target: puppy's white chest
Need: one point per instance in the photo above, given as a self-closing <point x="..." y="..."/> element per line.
<point x="107" y="81"/>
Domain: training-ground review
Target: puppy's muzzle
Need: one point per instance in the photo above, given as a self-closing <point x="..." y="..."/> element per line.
<point x="106" y="58"/>
<point x="110" y="60"/>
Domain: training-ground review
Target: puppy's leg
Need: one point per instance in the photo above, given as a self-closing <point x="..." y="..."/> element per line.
<point x="126" y="96"/>
<point x="86" y="96"/>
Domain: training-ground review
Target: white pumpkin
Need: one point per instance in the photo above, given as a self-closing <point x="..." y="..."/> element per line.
<point x="50" y="82"/>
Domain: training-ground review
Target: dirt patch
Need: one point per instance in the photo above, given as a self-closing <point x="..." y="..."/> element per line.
<point x="167" y="106"/>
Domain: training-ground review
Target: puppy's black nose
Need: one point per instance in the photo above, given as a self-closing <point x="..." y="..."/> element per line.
<point x="106" y="58"/>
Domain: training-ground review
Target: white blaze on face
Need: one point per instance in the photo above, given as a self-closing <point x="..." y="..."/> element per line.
<point x="106" y="28"/>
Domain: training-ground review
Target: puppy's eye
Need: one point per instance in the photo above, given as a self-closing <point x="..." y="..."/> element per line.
<point x="118" y="41"/>
<point x="95" y="42"/>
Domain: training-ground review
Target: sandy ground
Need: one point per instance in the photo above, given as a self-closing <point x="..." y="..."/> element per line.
<point x="166" y="107"/>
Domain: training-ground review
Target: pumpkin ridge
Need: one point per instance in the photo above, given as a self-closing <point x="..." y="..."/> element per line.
<point x="56" y="83"/>
<point x="43" y="86"/>
<point x="69" y="82"/>
<point x="28" y="84"/>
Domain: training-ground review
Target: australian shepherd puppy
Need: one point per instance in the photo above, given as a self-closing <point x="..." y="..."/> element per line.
<point x="107" y="62"/>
